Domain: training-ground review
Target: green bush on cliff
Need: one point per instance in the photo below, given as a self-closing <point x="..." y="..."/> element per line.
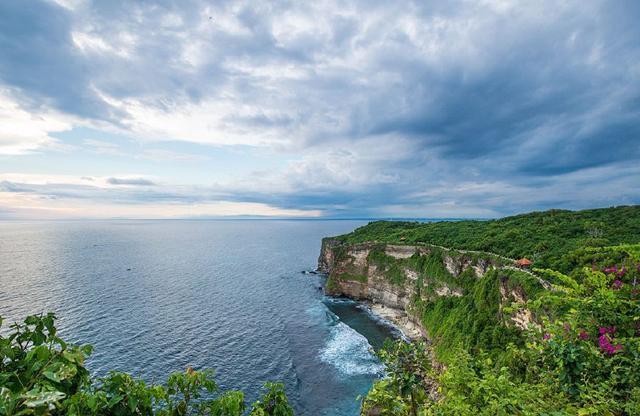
<point x="354" y="277"/>
<point x="475" y="321"/>
<point x="428" y="266"/>
<point x="581" y="358"/>
<point x="389" y="266"/>
<point x="545" y="237"/>
<point x="40" y="374"/>
<point x="431" y="266"/>
<point x="406" y="386"/>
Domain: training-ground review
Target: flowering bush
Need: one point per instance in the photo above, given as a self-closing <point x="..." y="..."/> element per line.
<point x="582" y="357"/>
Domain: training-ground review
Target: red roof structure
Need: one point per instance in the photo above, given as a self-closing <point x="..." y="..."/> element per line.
<point x="524" y="262"/>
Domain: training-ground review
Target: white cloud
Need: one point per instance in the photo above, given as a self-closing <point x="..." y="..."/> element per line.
<point x="23" y="131"/>
<point x="373" y="105"/>
<point x="69" y="4"/>
<point x="206" y="122"/>
<point x="91" y="43"/>
<point x="26" y="206"/>
<point x="27" y="196"/>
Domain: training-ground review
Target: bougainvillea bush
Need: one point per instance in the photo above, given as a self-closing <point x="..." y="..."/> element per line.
<point x="581" y="356"/>
<point x="40" y="374"/>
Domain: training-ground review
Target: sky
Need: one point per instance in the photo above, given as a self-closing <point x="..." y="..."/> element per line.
<point x="322" y="109"/>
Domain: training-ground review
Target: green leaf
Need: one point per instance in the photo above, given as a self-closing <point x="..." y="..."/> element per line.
<point x="114" y="400"/>
<point x="41" y="398"/>
<point x="133" y="403"/>
<point x="52" y="375"/>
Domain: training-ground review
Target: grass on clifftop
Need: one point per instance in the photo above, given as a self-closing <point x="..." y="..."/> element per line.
<point x="548" y="238"/>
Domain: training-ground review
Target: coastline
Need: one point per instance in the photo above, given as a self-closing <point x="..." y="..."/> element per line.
<point x="396" y="318"/>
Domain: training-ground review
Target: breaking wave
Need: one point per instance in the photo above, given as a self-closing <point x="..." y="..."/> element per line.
<point x="350" y="352"/>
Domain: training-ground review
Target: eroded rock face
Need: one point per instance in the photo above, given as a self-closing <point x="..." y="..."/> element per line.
<point x="482" y="266"/>
<point x="447" y="291"/>
<point x="353" y="289"/>
<point x="390" y="295"/>
<point x="352" y="273"/>
<point x="326" y="259"/>
<point x="458" y="263"/>
<point x="343" y="260"/>
<point x="400" y="252"/>
<point x="523" y="317"/>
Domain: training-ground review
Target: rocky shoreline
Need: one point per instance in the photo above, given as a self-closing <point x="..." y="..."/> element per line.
<point x="399" y="319"/>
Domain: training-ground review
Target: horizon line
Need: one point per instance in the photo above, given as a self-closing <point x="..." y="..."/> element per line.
<point x="230" y="218"/>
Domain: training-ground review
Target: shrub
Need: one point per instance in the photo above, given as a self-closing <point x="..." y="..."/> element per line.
<point x="40" y="374"/>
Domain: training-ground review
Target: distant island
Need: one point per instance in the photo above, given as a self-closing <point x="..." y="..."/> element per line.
<point x="531" y="314"/>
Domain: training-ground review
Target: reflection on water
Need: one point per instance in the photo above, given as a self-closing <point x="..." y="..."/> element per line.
<point x="157" y="296"/>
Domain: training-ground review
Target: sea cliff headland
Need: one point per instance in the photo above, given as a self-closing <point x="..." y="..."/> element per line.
<point x="531" y="314"/>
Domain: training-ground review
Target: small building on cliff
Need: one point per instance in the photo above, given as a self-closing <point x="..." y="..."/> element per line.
<point x="524" y="263"/>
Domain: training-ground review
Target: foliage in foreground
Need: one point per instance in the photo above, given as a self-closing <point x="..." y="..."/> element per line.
<point x="582" y="358"/>
<point x="40" y="374"/>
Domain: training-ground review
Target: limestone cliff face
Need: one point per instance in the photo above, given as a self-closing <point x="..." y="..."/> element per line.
<point x="396" y="276"/>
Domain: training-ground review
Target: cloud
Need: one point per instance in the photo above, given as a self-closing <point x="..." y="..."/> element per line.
<point x="40" y="59"/>
<point x="130" y="181"/>
<point x="42" y="196"/>
<point x="23" y="131"/>
<point x="19" y="206"/>
<point x="416" y="108"/>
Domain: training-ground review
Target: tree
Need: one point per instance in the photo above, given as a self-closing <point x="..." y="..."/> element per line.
<point x="40" y="374"/>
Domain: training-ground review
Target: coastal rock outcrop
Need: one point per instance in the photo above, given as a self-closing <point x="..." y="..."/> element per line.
<point x="404" y="278"/>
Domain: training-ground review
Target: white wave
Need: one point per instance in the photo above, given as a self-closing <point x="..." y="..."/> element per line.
<point x="316" y="311"/>
<point x="350" y="352"/>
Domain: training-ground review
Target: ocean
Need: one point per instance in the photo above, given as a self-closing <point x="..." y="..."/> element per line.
<point x="154" y="297"/>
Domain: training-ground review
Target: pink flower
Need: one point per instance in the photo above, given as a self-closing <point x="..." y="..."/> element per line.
<point x="607" y="330"/>
<point x="605" y="345"/>
<point x="546" y="336"/>
<point x="583" y="335"/>
<point x="617" y="284"/>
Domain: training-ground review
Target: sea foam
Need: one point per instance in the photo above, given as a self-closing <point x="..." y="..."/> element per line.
<point x="350" y="352"/>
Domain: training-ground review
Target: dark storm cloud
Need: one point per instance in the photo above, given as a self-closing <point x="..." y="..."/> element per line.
<point x="40" y="59"/>
<point x="431" y="105"/>
<point x="568" y="91"/>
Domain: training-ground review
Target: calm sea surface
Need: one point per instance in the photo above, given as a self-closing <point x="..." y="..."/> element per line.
<point x="157" y="296"/>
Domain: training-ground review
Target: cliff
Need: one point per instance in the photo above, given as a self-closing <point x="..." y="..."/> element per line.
<point x="432" y="286"/>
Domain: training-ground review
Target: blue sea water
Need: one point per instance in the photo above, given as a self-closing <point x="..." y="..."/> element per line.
<point x="154" y="297"/>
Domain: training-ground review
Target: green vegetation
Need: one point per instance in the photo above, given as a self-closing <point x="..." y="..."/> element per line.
<point x="407" y="384"/>
<point x="428" y="266"/>
<point x="580" y="354"/>
<point x="40" y="374"/>
<point x="475" y="320"/>
<point x="547" y="238"/>
<point x="582" y="359"/>
<point x="389" y="266"/>
<point x="354" y="277"/>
